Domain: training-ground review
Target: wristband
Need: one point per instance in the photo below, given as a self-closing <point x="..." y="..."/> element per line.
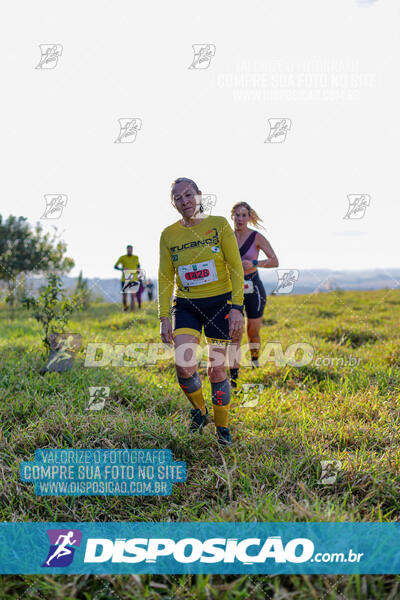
<point x="238" y="307"/>
<point x="255" y="262"/>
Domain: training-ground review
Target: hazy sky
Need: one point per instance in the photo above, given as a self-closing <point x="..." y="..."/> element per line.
<point x="329" y="66"/>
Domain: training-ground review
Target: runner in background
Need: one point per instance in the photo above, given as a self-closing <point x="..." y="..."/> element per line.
<point x="127" y="261"/>
<point x="150" y="289"/>
<point x="139" y="294"/>
<point x="250" y="242"/>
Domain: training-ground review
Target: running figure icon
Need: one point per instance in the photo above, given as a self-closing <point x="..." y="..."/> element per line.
<point x="62" y="550"/>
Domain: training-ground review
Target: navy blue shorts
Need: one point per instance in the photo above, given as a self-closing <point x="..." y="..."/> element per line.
<point x="254" y="302"/>
<point x="190" y="316"/>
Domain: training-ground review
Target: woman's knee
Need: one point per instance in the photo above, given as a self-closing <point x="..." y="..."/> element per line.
<point x="217" y="373"/>
<point x="185" y="355"/>
<point x="185" y="371"/>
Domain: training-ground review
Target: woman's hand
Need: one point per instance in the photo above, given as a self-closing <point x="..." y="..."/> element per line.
<point x="247" y="264"/>
<point x="166" y="330"/>
<point x="235" y="322"/>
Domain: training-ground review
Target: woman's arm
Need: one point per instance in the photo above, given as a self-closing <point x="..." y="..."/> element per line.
<point x="263" y="244"/>
<point x="117" y="263"/>
<point x="166" y="275"/>
<point x="233" y="260"/>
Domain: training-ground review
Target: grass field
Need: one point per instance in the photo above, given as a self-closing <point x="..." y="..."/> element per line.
<point x="322" y="411"/>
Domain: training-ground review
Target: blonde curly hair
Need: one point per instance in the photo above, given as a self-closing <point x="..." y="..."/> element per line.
<point x="255" y="220"/>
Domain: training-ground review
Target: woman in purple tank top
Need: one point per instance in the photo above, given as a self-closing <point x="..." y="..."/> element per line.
<point x="250" y="242"/>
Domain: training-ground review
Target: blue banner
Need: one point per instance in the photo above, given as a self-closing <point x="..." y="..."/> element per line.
<point x="246" y="548"/>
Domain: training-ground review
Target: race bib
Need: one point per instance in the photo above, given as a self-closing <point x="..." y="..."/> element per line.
<point x="248" y="286"/>
<point x="198" y="274"/>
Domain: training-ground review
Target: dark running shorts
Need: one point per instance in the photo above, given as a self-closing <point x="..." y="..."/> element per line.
<point x="122" y="287"/>
<point x="190" y="316"/>
<point x="254" y="303"/>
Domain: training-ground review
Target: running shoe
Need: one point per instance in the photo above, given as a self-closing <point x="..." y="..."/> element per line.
<point x="198" y="420"/>
<point x="223" y="436"/>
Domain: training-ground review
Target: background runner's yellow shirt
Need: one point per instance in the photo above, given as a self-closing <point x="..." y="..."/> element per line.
<point x="207" y="250"/>
<point x="128" y="262"/>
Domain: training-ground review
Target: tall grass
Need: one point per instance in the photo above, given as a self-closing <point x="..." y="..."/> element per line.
<point x="322" y="411"/>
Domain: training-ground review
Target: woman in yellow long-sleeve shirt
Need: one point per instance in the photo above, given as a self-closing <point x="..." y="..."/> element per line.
<point x="200" y="256"/>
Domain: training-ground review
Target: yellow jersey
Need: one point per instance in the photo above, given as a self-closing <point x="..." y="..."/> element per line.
<point x="201" y="261"/>
<point x="128" y="262"/>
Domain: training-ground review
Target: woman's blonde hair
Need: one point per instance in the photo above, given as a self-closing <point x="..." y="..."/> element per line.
<point x="255" y="220"/>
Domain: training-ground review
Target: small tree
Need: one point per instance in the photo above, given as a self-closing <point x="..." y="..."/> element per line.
<point x="25" y="250"/>
<point x="82" y="291"/>
<point x="52" y="308"/>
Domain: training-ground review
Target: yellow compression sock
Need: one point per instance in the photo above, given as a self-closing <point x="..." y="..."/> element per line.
<point x="196" y="398"/>
<point x="221" y="397"/>
<point x="221" y="415"/>
<point x="191" y="387"/>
